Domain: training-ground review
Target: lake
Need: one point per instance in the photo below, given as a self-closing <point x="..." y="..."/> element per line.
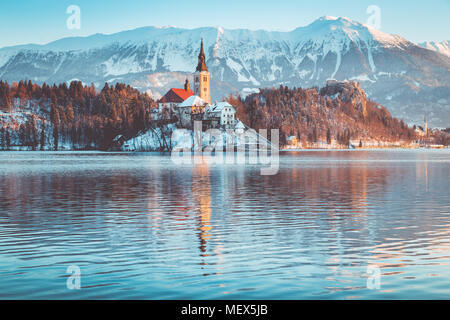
<point x="330" y="225"/>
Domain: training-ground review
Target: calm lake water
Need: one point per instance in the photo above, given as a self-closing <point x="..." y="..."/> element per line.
<point x="140" y="227"/>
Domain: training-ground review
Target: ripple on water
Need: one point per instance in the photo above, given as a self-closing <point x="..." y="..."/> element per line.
<point x="141" y="227"/>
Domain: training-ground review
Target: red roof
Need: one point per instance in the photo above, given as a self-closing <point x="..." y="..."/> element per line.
<point x="176" y="95"/>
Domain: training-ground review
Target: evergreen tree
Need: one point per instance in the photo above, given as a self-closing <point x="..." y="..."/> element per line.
<point x="54" y="116"/>
<point x="42" y="140"/>
<point x="2" y="139"/>
<point x="8" y="140"/>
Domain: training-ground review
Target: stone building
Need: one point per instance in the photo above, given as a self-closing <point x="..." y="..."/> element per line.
<point x="189" y="109"/>
<point x="221" y="114"/>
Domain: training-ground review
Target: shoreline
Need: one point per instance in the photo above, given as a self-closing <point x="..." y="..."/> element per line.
<point x="393" y="148"/>
<point x="363" y="149"/>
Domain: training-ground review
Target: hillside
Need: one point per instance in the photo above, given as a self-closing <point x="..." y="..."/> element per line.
<point x="34" y="117"/>
<point x="77" y="117"/>
<point x="408" y="79"/>
<point x="339" y="113"/>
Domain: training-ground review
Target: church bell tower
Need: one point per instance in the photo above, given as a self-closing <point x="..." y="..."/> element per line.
<point x="202" y="78"/>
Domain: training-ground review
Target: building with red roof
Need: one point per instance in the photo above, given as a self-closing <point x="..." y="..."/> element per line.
<point x="175" y="96"/>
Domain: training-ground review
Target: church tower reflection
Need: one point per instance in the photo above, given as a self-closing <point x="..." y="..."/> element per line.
<point x="201" y="191"/>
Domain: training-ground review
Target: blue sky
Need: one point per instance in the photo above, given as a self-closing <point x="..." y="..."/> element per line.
<point x="45" y="20"/>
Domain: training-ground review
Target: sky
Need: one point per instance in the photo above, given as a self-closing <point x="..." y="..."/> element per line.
<point x="43" y="21"/>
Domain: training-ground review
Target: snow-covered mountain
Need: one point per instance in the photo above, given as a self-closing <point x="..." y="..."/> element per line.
<point x="441" y="47"/>
<point x="408" y="79"/>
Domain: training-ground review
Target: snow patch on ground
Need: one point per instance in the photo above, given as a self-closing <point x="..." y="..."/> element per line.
<point x="248" y="91"/>
<point x="362" y="78"/>
<point x="155" y="140"/>
<point x="338" y="64"/>
<point x="238" y="69"/>
<point x="441" y="47"/>
<point x="179" y="62"/>
<point x="116" y="66"/>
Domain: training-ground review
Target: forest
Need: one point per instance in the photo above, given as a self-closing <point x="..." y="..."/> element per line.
<point x="340" y="113"/>
<point x="80" y="117"/>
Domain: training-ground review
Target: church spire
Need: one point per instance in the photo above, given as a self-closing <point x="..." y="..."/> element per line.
<point x="202" y="78"/>
<point x="201" y="60"/>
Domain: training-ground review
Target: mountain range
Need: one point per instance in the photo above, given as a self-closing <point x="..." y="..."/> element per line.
<point x="411" y="80"/>
<point x="441" y="47"/>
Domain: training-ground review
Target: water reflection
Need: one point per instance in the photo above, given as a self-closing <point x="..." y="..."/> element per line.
<point x="141" y="227"/>
<point x="201" y="192"/>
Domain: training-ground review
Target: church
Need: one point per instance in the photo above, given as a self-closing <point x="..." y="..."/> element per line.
<point x="202" y="78"/>
<point x="189" y="105"/>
